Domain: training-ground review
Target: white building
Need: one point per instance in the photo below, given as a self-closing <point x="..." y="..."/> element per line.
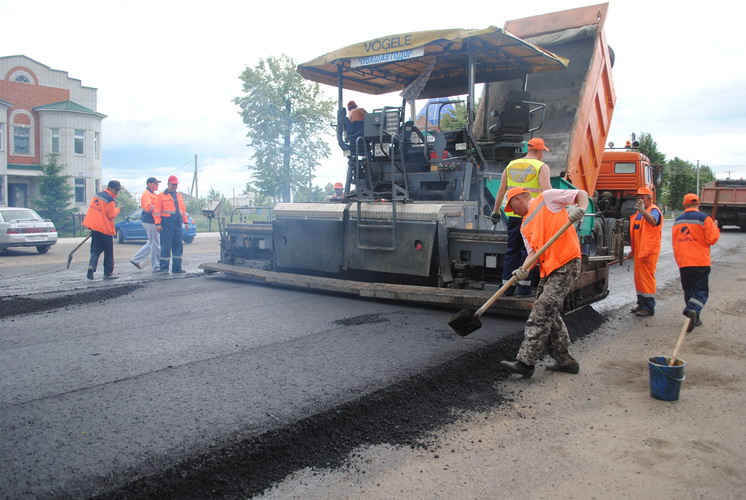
<point x="44" y="111"/>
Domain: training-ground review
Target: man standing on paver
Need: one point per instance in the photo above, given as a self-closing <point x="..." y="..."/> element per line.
<point x="169" y="215"/>
<point x="645" y="229"/>
<point x="153" y="246"/>
<point x="559" y="268"/>
<point x="693" y="233"/>
<point x="531" y="173"/>
<point x="100" y="220"/>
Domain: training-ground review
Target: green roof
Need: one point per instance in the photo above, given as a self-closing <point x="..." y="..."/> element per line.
<point x="67" y="106"/>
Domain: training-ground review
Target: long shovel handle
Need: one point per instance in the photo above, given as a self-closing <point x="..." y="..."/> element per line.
<point x="680" y="341"/>
<point x="526" y="265"/>
<point x="70" y="257"/>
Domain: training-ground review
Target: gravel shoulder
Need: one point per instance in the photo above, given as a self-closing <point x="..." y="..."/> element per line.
<point x="598" y="434"/>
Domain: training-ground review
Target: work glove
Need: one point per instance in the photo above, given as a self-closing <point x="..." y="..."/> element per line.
<point x="520" y="274"/>
<point x="495" y="217"/>
<point x="576" y="214"/>
<point x="640" y="206"/>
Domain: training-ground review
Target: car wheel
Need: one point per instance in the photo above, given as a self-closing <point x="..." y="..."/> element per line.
<point x="188" y="239"/>
<point x="120" y="237"/>
<point x="43" y="248"/>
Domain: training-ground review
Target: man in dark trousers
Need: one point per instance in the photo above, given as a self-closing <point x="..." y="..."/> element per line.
<point x="100" y="220"/>
<point x="692" y="235"/>
<point x="170" y="215"/>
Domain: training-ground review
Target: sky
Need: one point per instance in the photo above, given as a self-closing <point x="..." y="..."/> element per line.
<point x="167" y="71"/>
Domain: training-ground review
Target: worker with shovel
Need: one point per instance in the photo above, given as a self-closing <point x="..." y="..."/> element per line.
<point x="543" y="217"/>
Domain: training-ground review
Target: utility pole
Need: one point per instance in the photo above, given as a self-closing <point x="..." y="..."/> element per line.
<point x="697" y="178"/>
<point x="195" y="185"/>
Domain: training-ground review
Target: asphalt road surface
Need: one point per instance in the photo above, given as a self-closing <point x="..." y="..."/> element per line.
<point x="199" y="386"/>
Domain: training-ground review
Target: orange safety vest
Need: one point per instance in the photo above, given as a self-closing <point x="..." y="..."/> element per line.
<point x="539" y="225"/>
<point x="147" y="203"/>
<point x="644" y="237"/>
<point x="523" y="172"/>
<point x="164" y="207"/>
<point x="692" y="234"/>
<point x="101" y="213"/>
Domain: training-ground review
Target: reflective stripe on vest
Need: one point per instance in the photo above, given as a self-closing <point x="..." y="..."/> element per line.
<point x="523" y="172"/>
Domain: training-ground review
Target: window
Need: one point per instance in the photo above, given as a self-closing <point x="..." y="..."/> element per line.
<point x="98" y="185"/>
<point x="22" y="77"/>
<point x="55" y="140"/>
<point x="79" y="190"/>
<point x="624" y="168"/>
<point x="2" y="137"/>
<point x="21" y="140"/>
<point x="96" y="145"/>
<point x="79" y="142"/>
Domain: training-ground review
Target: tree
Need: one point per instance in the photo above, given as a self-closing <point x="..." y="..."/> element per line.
<point x="126" y="203"/>
<point x="286" y="118"/>
<point x="55" y="192"/>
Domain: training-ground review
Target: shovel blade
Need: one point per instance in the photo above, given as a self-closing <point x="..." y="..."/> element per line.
<point x="69" y="260"/>
<point x="464" y="322"/>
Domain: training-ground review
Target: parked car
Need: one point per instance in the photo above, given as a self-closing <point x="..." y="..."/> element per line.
<point x="22" y="227"/>
<point x="131" y="229"/>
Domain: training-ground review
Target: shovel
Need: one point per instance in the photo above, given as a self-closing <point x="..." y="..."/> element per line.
<point x="70" y="257"/>
<point x="464" y="322"/>
<point x="680" y="341"/>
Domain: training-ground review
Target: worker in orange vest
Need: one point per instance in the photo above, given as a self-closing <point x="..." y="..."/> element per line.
<point x="170" y="216"/>
<point x="153" y="246"/>
<point x="645" y="229"/>
<point x="693" y="233"/>
<point x="100" y="220"/>
<point x="559" y="268"/>
<point x="338" y="192"/>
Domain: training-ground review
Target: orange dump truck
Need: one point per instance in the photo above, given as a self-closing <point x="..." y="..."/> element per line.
<point x="725" y="201"/>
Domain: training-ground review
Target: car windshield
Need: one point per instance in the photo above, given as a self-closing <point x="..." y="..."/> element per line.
<point x="19" y="215"/>
<point x="135" y="215"/>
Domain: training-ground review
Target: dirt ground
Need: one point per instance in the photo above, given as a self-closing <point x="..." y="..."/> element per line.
<point x="598" y="434"/>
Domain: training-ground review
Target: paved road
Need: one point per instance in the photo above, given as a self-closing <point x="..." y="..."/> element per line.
<point x="94" y="395"/>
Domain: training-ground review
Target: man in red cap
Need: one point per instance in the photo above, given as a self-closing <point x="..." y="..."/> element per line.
<point x="338" y="192"/>
<point x="531" y="173"/>
<point x="559" y="267"/>
<point x="356" y="116"/>
<point x="645" y="229"/>
<point x="170" y="214"/>
<point x="693" y="233"/>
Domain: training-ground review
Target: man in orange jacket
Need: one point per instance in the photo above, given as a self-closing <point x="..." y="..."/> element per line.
<point x="692" y="235"/>
<point x="170" y="215"/>
<point x="100" y="220"/>
<point x="559" y="268"/>
<point x="645" y="229"/>
<point x="153" y="246"/>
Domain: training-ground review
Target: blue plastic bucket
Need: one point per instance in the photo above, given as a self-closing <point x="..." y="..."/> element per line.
<point x="665" y="381"/>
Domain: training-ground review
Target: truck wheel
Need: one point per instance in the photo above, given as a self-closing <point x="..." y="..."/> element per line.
<point x="188" y="239"/>
<point x="120" y="237"/>
<point x="43" y="248"/>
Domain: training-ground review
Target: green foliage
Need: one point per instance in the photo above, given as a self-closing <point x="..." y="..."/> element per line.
<point x="126" y="203"/>
<point x="260" y="199"/>
<point x="286" y="118"/>
<point x="649" y="148"/>
<point x="311" y="193"/>
<point x="454" y="120"/>
<point x="55" y="192"/>
<point x="681" y="178"/>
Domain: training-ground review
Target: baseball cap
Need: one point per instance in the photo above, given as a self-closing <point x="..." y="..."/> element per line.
<point x="114" y="185"/>
<point x="513" y="192"/>
<point x="351" y="104"/>
<point x="644" y="191"/>
<point x="690" y="198"/>
<point x="338" y="185"/>
<point x="537" y="143"/>
<point x="151" y="179"/>
<point x="173" y="180"/>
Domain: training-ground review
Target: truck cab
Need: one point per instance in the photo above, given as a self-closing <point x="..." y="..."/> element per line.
<point x="623" y="172"/>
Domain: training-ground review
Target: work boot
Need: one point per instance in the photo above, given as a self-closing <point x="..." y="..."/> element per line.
<point x="519" y="367"/>
<point x="644" y="313"/>
<point x="573" y="368"/>
<point x="692" y="315"/>
<point x="89" y="274"/>
<point x="509" y="292"/>
<point x="635" y="309"/>
<point x="180" y="271"/>
<point x="110" y="277"/>
<point x="698" y="322"/>
<point x="139" y="266"/>
<point x="523" y="291"/>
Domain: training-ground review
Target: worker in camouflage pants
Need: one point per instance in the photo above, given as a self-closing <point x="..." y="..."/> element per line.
<point x="545" y="326"/>
<point x="545" y="220"/>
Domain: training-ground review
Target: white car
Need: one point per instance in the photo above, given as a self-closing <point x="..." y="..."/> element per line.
<point x="22" y="227"/>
